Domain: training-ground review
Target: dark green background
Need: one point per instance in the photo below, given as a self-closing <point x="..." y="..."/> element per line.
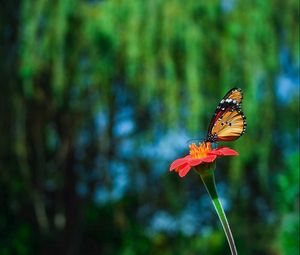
<point x="99" y="97"/>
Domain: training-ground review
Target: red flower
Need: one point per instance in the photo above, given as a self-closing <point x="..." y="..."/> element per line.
<point x="199" y="155"/>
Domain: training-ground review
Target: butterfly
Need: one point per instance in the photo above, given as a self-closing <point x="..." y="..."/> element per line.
<point x="228" y="122"/>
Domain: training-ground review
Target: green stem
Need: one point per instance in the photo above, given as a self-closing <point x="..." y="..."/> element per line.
<point x="208" y="179"/>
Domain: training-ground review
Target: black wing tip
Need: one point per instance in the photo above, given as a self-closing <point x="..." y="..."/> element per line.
<point x="237" y="88"/>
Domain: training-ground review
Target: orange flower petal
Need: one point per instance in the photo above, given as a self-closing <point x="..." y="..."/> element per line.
<point x="224" y="151"/>
<point x="209" y="158"/>
<point x="183" y="171"/>
<point x="178" y="162"/>
<point x="195" y="162"/>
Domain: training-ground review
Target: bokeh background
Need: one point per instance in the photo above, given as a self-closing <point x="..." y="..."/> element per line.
<point x="99" y="97"/>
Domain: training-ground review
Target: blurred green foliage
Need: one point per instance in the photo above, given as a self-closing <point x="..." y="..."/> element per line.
<point x="76" y="74"/>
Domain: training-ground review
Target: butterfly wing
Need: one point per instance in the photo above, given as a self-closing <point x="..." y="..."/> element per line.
<point x="229" y="126"/>
<point x="234" y="94"/>
<point x="228" y="123"/>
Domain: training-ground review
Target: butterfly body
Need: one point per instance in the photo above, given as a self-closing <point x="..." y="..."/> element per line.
<point x="228" y="122"/>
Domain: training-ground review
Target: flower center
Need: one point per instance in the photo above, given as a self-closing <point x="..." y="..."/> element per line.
<point x="200" y="151"/>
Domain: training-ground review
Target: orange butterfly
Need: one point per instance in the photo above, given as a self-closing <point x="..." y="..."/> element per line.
<point x="228" y="123"/>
